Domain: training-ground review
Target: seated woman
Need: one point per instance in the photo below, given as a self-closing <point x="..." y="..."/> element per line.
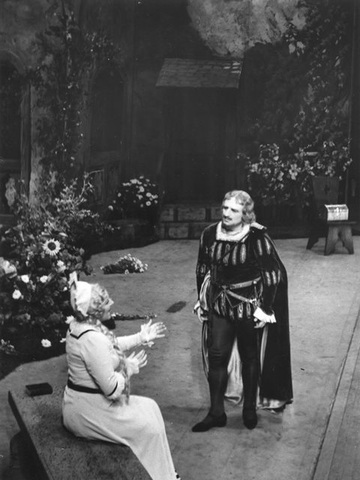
<point x="97" y="404"/>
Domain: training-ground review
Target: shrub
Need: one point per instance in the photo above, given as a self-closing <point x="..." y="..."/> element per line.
<point x="38" y="253"/>
<point x="137" y="198"/>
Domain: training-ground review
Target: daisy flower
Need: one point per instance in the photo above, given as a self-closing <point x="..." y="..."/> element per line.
<point x="16" y="294"/>
<point x="45" y="343"/>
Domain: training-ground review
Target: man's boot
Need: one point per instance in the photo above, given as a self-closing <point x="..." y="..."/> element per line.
<point x="250" y="381"/>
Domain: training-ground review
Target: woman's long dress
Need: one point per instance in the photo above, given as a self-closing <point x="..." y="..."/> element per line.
<point x="92" y="362"/>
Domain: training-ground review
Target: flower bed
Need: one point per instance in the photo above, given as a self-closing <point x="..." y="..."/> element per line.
<point x="137" y="198"/>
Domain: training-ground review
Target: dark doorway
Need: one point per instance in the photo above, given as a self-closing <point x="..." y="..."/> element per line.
<point x="199" y="123"/>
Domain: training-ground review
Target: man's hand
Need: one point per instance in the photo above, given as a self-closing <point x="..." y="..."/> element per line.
<point x="259" y="324"/>
<point x="202" y="315"/>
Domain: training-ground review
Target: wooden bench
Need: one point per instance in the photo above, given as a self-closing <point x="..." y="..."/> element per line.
<point x="326" y="192"/>
<point x="341" y="230"/>
<point x="57" y="454"/>
<point x="334" y="231"/>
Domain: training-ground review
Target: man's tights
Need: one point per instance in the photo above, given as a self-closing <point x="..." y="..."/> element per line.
<point x="220" y="343"/>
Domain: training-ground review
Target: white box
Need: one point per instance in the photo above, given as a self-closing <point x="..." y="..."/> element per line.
<point x="335" y="213"/>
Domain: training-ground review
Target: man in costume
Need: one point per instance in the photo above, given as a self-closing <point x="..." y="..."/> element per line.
<point x="243" y="305"/>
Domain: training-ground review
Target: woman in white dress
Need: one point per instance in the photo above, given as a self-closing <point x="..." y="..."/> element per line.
<point x="97" y="404"/>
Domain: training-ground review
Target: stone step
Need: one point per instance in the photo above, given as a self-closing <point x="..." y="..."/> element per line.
<point x="187" y="221"/>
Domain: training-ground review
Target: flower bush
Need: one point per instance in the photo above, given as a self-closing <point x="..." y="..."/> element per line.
<point x="297" y="122"/>
<point x="137" y="198"/>
<point x="38" y="254"/>
<point x="275" y="178"/>
<point x="126" y="264"/>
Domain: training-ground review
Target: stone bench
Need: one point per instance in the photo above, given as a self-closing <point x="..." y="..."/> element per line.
<point x="58" y="455"/>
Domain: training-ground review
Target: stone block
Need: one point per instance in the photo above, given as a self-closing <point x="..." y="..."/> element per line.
<point x="215" y="214"/>
<point x="191" y="213"/>
<point x="167" y="214"/>
<point x="162" y="232"/>
<point x="178" y="231"/>
<point x="196" y="229"/>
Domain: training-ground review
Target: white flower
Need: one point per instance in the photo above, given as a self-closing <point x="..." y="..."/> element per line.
<point x="16" y="294"/>
<point x="25" y="278"/>
<point x="43" y="279"/>
<point x="60" y="265"/>
<point x="69" y="319"/>
<point x="148" y="204"/>
<point x="51" y="247"/>
<point x="110" y="207"/>
<point x="45" y="343"/>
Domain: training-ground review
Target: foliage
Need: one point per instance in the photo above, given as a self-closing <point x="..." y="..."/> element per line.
<point x="305" y="108"/>
<point x="137" y="198"/>
<point x="126" y="264"/>
<point x="38" y="254"/>
<point x="68" y="58"/>
<point x="286" y="179"/>
<point x="10" y="100"/>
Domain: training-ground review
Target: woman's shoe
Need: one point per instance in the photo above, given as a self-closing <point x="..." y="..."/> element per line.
<point x="209" y="422"/>
<point x="250" y="418"/>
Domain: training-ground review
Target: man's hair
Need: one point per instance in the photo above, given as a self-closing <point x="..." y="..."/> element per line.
<point x="240" y="196"/>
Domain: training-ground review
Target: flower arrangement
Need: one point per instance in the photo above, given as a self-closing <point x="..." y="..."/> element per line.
<point x="275" y="178"/>
<point x="137" y="198"/>
<point x="126" y="264"/>
<point x="37" y="256"/>
<point x="34" y="296"/>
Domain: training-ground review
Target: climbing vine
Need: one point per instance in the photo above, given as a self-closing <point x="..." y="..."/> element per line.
<point x="68" y="57"/>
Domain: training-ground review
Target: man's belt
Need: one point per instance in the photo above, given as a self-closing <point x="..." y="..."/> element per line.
<point x="234" y="286"/>
<point x="228" y="291"/>
<point x="80" y="388"/>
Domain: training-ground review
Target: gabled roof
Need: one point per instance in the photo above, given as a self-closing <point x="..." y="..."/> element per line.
<point x="191" y="73"/>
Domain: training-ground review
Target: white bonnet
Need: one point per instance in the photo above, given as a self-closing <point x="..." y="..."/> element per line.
<point x="80" y="294"/>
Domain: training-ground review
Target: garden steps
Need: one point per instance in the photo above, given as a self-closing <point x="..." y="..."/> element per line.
<point x="187" y="221"/>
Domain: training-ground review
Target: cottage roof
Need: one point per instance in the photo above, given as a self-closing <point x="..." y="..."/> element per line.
<point x="192" y="73"/>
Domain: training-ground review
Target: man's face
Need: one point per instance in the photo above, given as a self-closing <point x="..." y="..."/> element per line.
<point x="232" y="214"/>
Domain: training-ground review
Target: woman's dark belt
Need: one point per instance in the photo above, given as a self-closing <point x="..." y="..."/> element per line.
<point x="80" y="388"/>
